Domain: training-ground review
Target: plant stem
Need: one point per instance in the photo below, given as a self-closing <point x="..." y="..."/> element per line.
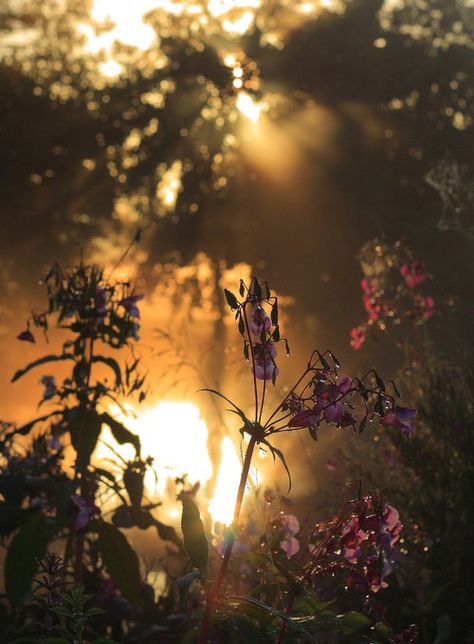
<point x="216" y="586"/>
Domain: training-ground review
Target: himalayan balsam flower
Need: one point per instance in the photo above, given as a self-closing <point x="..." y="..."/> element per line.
<point x="358" y="337"/>
<point x="264" y="356"/>
<point x="290" y="526"/>
<point x="425" y="305"/>
<point x="401" y="418"/>
<point x="413" y="274"/>
<point x="259" y="321"/>
<point x="87" y="510"/>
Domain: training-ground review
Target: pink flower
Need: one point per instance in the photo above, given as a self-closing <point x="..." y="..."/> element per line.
<point x="265" y="367"/>
<point x="26" y="336"/>
<point x="290" y="526"/>
<point x="87" y="511"/>
<point x="307" y="418"/>
<point x="259" y="321"/>
<point x="335" y="413"/>
<point x="290" y="545"/>
<point x="401" y="418"/>
<point x="358" y="337"/>
<point x="413" y="274"/>
<point x="425" y="305"/>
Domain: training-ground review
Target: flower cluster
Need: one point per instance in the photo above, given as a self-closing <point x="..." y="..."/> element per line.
<point x="320" y="394"/>
<point x="390" y="293"/>
<point x="85" y="302"/>
<point x="260" y="330"/>
<point x="361" y="542"/>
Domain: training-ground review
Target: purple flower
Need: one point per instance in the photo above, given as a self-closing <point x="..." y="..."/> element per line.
<point x="259" y="321"/>
<point x="100" y="302"/>
<point x="130" y="304"/>
<point x="401" y="418"/>
<point x="335" y="413"/>
<point x="26" y="336"/>
<point x="87" y="510"/>
<point x="264" y="356"/>
<point x="49" y="384"/>
<point x="307" y="418"/>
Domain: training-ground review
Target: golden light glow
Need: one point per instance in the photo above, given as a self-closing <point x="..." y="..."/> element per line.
<point x="175" y="435"/>
<point x="169" y="186"/>
<point x="221" y="506"/>
<point x="127" y="25"/>
<point x="248" y="106"/>
<point x="110" y="69"/>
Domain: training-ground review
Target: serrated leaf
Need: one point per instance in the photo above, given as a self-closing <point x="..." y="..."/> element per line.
<point x="194" y="536"/>
<point x="121" y="561"/>
<point x="21" y="561"/>
<point x="37" y="363"/>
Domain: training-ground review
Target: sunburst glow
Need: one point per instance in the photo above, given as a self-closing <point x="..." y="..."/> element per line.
<point x="221" y="506"/>
<point x="176" y="436"/>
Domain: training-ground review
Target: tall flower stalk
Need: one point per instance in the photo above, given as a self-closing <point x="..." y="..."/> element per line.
<point x="321" y="393"/>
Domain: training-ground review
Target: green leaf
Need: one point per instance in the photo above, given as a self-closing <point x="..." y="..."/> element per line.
<point x="113" y="364"/>
<point x="194" y="536"/>
<point x="379" y="381"/>
<point x="120" y="432"/>
<point x="37" y="363"/>
<point x="251" y="601"/>
<point x="25" y="429"/>
<point x="241" y="325"/>
<point x="121" y="561"/>
<point x="277" y="453"/>
<point x="352" y="621"/>
<point x="167" y="533"/>
<point x="231" y="299"/>
<point x="21" y="562"/>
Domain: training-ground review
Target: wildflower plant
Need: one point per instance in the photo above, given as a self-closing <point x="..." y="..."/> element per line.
<point x="392" y="289"/>
<point x="42" y="501"/>
<point x="320" y="395"/>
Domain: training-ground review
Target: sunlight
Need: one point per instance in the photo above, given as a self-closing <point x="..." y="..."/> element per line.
<point x="221" y="506"/>
<point x="169" y="186"/>
<point x="175" y="435"/>
<point x="249" y="107"/>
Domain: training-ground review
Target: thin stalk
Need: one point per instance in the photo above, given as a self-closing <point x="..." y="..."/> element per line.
<point x="216" y="586"/>
<point x="255" y="389"/>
